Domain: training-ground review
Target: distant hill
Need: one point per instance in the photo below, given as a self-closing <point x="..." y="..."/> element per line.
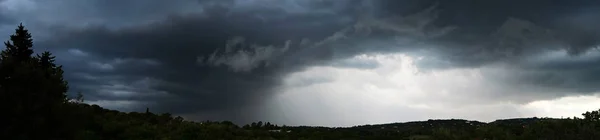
<point x="111" y="124"/>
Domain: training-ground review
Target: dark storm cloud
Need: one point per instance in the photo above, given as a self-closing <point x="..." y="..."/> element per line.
<point x="200" y="72"/>
<point x="490" y="33"/>
<point x="226" y="57"/>
<point x="174" y="44"/>
<point x="529" y="33"/>
<point x="565" y="73"/>
<point x="484" y="34"/>
<point x="113" y="12"/>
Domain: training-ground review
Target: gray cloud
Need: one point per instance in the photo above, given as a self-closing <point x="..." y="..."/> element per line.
<point x="188" y="57"/>
<point x="4" y="19"/>
<point x="244" y="60"/>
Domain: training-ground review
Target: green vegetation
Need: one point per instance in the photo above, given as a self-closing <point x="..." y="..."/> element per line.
<point x="34" y="104"/>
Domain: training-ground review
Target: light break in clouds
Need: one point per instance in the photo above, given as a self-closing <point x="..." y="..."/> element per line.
<point x="397" y="90"/>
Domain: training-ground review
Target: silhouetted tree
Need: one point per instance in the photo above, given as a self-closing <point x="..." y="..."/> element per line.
<point x="32" y="91"/>
<point x="259" y="124"/>
<point x="19" y="47"/>
<point x="79" y="98"/>
<point x="253" y="125"/>
<point x="593" y="116"/>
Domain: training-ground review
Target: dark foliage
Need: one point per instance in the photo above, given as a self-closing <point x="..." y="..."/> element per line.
<point x="32" y="92"/>
<point x="34" y="105"/>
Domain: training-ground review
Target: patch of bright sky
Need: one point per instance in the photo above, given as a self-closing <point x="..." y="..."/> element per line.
<point x="398" y="91"/>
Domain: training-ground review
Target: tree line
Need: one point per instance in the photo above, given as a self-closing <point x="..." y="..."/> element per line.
<point x="35" y="106"/>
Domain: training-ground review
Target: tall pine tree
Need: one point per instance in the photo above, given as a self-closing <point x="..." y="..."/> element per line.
<point x="20" y="46"/>
<point x="32" y="91"/>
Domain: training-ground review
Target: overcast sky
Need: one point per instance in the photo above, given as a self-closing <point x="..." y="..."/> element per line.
<point x="323" y="62"/>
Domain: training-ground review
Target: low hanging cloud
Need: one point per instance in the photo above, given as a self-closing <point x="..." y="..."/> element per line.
<point x="221" y="59"/>
<point x="243" y="59"/>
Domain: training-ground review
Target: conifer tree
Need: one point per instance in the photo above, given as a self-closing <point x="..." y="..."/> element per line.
<point x="20" y="45"/>
<point x="32" y="91"/>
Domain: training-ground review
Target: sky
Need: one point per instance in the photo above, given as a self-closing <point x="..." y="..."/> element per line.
<point x="323" y="62"/>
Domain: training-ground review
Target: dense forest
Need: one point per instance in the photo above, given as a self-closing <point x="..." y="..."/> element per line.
<point x="35" y="107"/>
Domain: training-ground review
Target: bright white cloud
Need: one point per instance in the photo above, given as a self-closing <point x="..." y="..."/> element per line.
<point x="563" y="107"/>
<point x="398" y="91"/>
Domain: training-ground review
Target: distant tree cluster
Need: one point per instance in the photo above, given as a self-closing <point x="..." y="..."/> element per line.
<point x="35" y="107"/>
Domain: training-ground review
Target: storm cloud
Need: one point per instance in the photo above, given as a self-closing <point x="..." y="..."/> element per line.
<point x="227" y="60"/>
